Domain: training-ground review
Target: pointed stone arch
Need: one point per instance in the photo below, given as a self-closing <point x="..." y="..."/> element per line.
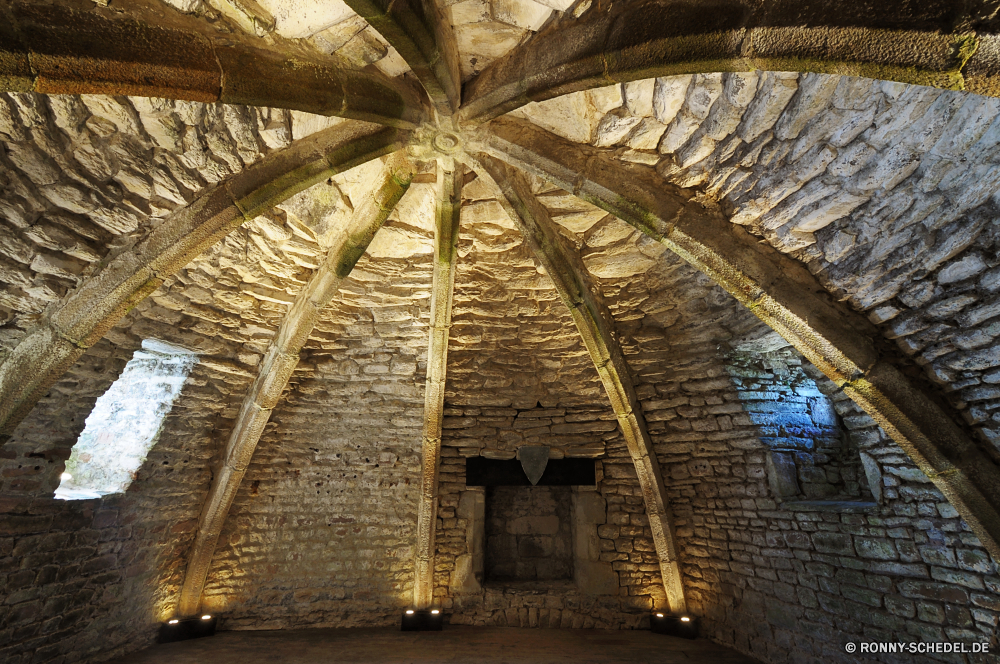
<point x="948" y="46"/>
<point x="596" y="327"/>
<point x="158" y="52"/>
<point x="279" y="362"/>
<point x="782" y="293"/>
<point x="89" y="311"/>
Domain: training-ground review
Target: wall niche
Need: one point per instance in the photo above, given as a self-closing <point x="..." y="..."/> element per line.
<point x="529" y="534"/>
<point x="524" y="539"/>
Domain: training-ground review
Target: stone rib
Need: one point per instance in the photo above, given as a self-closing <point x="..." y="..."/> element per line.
<point x="782" y="293"/>
<point x="596" y="327"/>
<point x="424" y="39"/>
<point x="636" y="40"/>
<point x="54" y="49"/>
<point x="449" y="205"/>
<point x="85" y="315"/>
<point x="279" y="362"/>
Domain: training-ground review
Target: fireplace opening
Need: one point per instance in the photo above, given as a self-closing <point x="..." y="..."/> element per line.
<point x="529" y="534"/>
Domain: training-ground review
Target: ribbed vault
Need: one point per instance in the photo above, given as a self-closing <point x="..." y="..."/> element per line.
<point x="773" y="185"/>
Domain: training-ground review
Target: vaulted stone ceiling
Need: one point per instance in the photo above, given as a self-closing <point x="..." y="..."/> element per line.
<point x="884" y="191"/>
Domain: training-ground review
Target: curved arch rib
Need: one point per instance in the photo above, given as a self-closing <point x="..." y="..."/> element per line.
<point x="279" y="362"/>
<point x="596" y="327"/>
<point x="449" y="205"/>
<point x="637" y="40"/>
<point x="90" y="310"/>
<point x="54" y="49"/>
<point x="424" y="39"/>
<point x="783" y="294"/>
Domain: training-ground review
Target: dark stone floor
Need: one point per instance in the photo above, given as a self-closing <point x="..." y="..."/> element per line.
<point x="482" y="645"/>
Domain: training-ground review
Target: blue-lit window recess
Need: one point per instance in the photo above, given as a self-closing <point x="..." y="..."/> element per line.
<point x="422" y="620"/>
<point x="684" y="626"/>
<point x="182" y="629"/>
<point x="813" y="463"/>
<point x="125" y="422"/>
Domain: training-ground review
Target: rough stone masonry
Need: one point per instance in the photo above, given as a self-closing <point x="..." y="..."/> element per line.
<point x="799" y="523"/>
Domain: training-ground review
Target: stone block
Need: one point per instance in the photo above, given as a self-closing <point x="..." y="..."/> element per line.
<point x="595" y="577"/>
<point x="876" y="548"/>
<point x="940" y="592"/>
<point x="975" y="560"/>
<point x="835" y="543"/>
<point x="782" y="474"/>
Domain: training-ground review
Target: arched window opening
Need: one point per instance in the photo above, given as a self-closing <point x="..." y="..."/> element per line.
<point x="125" y="422"/>
<point x="811" y="457"/>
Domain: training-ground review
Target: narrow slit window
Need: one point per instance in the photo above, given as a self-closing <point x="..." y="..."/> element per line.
<point x="125" y="422"/>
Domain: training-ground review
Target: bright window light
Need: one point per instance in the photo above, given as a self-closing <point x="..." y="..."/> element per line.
<point x="125" y="422"/>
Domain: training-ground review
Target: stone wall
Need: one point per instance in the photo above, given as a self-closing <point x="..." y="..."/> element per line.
<point x="86" y="580"/>
<point x="795" y="585"/>
<point x="782" y="585"/>
<point x="887" y="192"/>
<point x="322" y="530"/>
<point x="810" y="456"/>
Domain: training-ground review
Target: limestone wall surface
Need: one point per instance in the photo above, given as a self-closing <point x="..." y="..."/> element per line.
<point x="89" y="579"/>
<point x="810" y="456"/>
<point x="323" y="529"/>
<point x="886" y="191"/>
<point x="906" y="570"/>
<point x="75" y="572"/>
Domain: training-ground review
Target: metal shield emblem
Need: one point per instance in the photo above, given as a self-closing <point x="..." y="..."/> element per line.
<point x="534" y="458"/>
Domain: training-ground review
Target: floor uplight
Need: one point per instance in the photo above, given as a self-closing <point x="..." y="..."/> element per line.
<point x="421" y="620"/>
<point x="683" y="626"/>
<point x="182" y="629"/>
